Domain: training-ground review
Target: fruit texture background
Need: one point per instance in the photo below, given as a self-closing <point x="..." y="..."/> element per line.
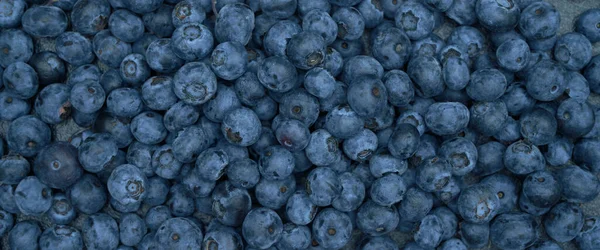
<point x="569" y="10"/>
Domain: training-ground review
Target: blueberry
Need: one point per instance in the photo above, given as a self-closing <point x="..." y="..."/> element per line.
<point x="276" y="38"/>
<point x="192" y="41"/>
<point x="230" y="204"/>
<point x="276" y="163"/>
<point x="228" y="60"/>
<point x="87" y="96"/>
<point x="158" y="189"/>
<point x="127" y="184"/>
<point x="262" y="228"/>
<point x="83" y="73"/>
<point x="131" y="229"/>
<point x="585" y="154"/>
<point x="352" y="194"/>
<point x="294" y="237"/>
<point x="49" y="67"/>
<point x="497" y="16"/>
<point x="27" y="135"/>
<point x="573" y="51"/>
<point x="62" y="211"/>
<point x="235" y="22"/>
<point x="191" y="90"/>
<point x="142" y="6"/>
<point x="574" y="118"/>
<point x="514" y="230"/>
<point x="488" y="118"/>
<point x="332" y="229"/>
<point x="455" y="73"/>
<point x="12" y="18"/>
<point x="90" y="16"/>
<point x="592" y="74"/>
<point x="179" y="233"/>
<point x="589" y="232"/>
<point x="321" y="22"/>
<point x="474" y="235"/>
<point x="415" y="205"/>
<point x="579" y="185"/>
<point x="13" y="168"/>
<point x="157" y="93"/>
<point x="147" y="127"/>
<point x="564" y="222"/>
<point x="447" y="118"/>
<point x="188" y="144"/>
<point x="124" y="102"/>
<point x="24" y="235"/>
<point x="61" y="237"/>
<point x="44" y="21"/>
<point x="305" y="6"/>
<point x="75" y="49"/>
<point x="243" y="173"/>
<point x="350" y="23"/>
<point x="478" y="203"/>
<point x="224" y="101"/>
<point x="348" y="49"/>
<point x="462" y="12"/>
<point x="8" y="199"/>
<point x="97" y="152"/>
<point x="539" y="20"/>
<point x="141" y="46"/>
<point x="429" y="232"/>
<point x="367" y="96"/>
<point x="12" y="107"/>
<point x="376" y="220"/>
<point x="388" y="190"/>
<point x="161" y="57"/>
<point x="52" y="104"/>
<point x="88" y="195"/>
<point x="16" y="45"/>
<point x="426" y="74"/>
<point x="158" y="22"/>
<point x="587" y="24"/>
<point x="433" y="174"/>
<point x="546" y="245"/>
<point x="539" y="126"/>
<point x="21" y="80"/>
<point x="415" y="19"/>
<point x="224" y="237"/>
<point x="187" y="12"/>
<point x="32" y="196"/>
<point x="505" y="188"/>
<point x="57" y="166"/>
<point x="241" y="127"/>
<point x="134" y="69"/>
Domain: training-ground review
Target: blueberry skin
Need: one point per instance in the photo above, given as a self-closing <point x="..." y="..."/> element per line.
<point x="367" y="96"/>
<point x="157" y="93"/>
<point x="126" y="26"/>
<point x="49" y="67"/>
<point x="321" y="22"/>
<point x="141" y="46"/>
<point x="323" y="148"/>
<point x="18" y="46"/>
<point x="361" y="146"/>
<point x="12" y="107"/>
<point x="192" y="41"/>
<point x="241" y="127"/>
<point x="415" y="205"/>
<point x="332" y="229"/>
<point x="161" y="57"/>
<point x="305" y="6"/>
<point x="299" y="208"/>
<point x="403" y="141"/>
<point x="100" y="231"/>
<point x="433" y="174"/>
<point x="415" y="19"/>
<point x="429" y="232"/>
<point x="586" y="22"/>
<point x="361" y="66"/>
<point x="52" y="104"/>
<point x="56" y="165"/>
<point x="517" y="100"/>
<point x="323" y="186"/>
<point x="560" y="151"/>
<point x="131" y="229"/>
<point x="61" y="237"/>
<point x="88" y="194"/>
<point x="262" y="228"/>
<point x="249" y="89"/>
<point x="463" y="12"/>
<point x="262" y="24"/>
<point x="13" y="168"/>
<point x="235" y="22"/>
<point x="277" y="74"/>
<point x="372" y="13"/>
<point x="8" y="200"/>
<point x="127" y="184"/>
<point x="586" y="155"/>
<point x="90" y="16"/>
<point x="306" y="49"/>
<point x="513" y="54"/>
<point x="188" y="144"/>
<point x="426" y="74"/>
<point x="24" y="235"/>
<point x="222" y="236"/>
<point x="399" y="88"/>
<point x="497" y="16"/>
<point x="573" y="51"/>
<point x="586" y="239"/>
<point x="388" y="190"/>
<point x="539" y="20"/>
<point x="350" y="23"/>
<point x="27" y="135"/>
<point x="33" y="197"/>
<point x="21" y="80"/>
<point x="376" y="220"/>
<point x="488" y="118"/>
<point x="539" y="126"/>
<point x="14" y="11"/>
<point x="446" y="118"/>
<point x="195" y="83"/>
<point x="486" y="85"/>
<point x="292" y="135"/>
<point x="221" y="104"/>
<point x="156" y="216"/>
<point x="44" y="21"/>
<point x="278" y="9"/>
<point x="348" y="49"/>
<point x="478" y="203"/>
<point x="230" y="204"/>
<point x="461" y="154"/>
<point x="564" y="222"/>
<point x="453" y="244"/>
<point x="276" y="163"/>
<point x="546" y="245"/>
<point x="74" y="48"/>
<point x="579" y="185"/>
<point x="455" y="73"/>
<point x="574" y="118"/>
<point x="187" y="12"/>
<point x="592" y="74"/>
<point x="319" y="83"/>
<point x="577" y="86"/>
<point x="228" y="60"/>
<point x="474" y="235"/>
<point x="87" y="96"/>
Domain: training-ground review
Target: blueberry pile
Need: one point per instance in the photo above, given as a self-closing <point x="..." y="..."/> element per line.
<point x="298" y="124"/>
